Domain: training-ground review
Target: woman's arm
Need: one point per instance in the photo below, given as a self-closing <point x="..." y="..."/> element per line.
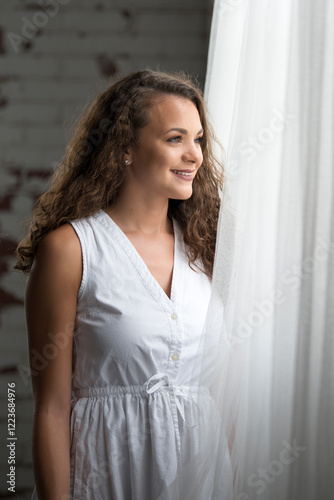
<point x="51" y="300"/>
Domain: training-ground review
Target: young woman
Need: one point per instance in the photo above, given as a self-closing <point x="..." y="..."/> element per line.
<point x="120" y="256"/>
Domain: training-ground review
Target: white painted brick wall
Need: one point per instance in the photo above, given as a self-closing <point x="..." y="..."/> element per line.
<point x="43" y="85"/>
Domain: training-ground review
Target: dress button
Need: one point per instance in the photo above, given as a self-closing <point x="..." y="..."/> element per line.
<point x="175" y="357"/>
<point x="174" y="316"/>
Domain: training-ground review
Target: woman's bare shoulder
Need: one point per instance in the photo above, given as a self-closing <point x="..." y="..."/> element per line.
<point x="59" y="254"/>
<point x="61" y="242"/>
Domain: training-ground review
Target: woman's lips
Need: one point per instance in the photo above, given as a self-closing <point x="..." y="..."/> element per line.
<point x="185" y="175"/>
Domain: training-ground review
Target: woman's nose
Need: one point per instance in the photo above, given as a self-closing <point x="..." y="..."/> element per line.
<point x="193" y="154"/>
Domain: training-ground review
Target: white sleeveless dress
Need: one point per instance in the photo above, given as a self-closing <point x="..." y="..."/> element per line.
<point x="137" y="423"/>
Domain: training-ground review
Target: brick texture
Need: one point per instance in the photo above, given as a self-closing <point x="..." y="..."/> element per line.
<point x="54" y="55"/>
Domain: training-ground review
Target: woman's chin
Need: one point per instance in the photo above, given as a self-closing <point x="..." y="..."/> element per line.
<point x="182" y="195"/>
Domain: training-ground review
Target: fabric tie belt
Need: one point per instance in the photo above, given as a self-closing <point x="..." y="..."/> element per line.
<point x="172" y="390"/>
<point x="161" y="380"/>
<point x="157" y="382"/>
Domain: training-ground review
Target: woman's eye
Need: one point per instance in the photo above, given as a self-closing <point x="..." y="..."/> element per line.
<point x="178" y="138"/>
<point x="175" y="139"/>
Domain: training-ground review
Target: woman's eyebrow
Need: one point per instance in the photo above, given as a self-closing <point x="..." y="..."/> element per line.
<point x="182" y="130"/>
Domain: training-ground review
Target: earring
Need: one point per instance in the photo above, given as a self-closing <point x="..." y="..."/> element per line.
<point x="127" y="162"/>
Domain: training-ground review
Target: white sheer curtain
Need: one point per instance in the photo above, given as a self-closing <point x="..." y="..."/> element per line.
<point x="270" y="325"/>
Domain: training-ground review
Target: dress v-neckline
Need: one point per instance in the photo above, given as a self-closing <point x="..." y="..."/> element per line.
<point x="131" y="251"/>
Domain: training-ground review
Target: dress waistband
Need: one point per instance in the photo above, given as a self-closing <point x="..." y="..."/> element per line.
<point x="164" y="383"/>
<point x="158" y="382"/>
<point x="91" y="392"/>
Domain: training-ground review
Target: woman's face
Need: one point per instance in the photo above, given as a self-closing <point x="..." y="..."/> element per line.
<point x="169" y="152"/>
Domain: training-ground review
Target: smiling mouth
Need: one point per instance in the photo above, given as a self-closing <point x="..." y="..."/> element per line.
<point x="184" y="173"/>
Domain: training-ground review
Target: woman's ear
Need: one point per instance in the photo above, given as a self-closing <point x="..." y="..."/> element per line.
<point x="127" y="157"/>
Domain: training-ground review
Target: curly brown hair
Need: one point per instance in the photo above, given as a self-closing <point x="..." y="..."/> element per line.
<point x="92" y="170"/>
